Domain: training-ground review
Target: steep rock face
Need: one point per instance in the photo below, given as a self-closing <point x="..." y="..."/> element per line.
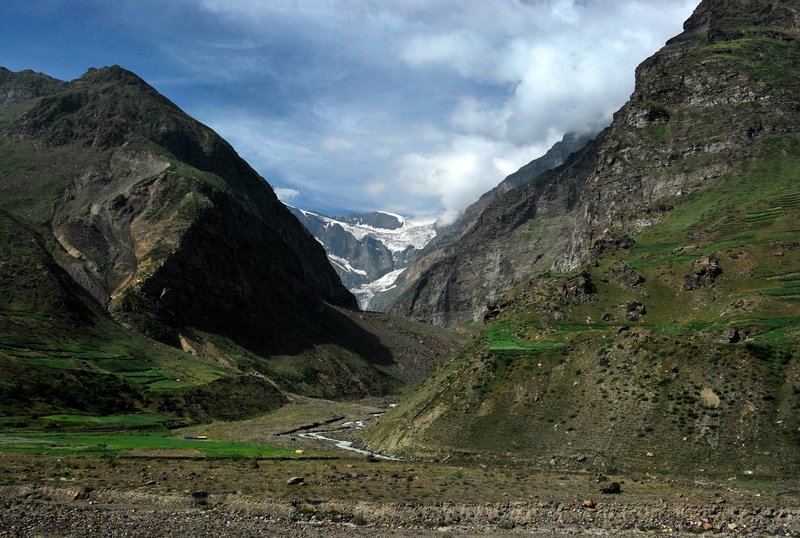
<point x="168" y="228"/>
<point x="445" y="244"/>
<point x="518" y="233"/>
<point x="555" y="156"/>
<point x="697" y="104"/>
<point x="135" y="207"/>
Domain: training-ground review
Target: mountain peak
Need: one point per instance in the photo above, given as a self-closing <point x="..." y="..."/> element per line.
<point x="725" y="19"/>
<point x="16" y="87"/>
<point x="111" y="73"/>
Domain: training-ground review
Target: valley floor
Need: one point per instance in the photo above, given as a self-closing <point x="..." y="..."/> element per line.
<point x="57" y="484"/>
<point x="351" y="496"/>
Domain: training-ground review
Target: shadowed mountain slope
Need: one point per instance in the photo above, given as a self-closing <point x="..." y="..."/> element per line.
<point x="170" y="232"/>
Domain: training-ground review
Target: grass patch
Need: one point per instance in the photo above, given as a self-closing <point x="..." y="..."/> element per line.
<point x="128" y="421"/>
<point x="502" y="341"/>
<point x="140" y="442"/>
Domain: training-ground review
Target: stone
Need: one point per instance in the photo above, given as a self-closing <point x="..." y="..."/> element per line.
<point x="612" y="488"/>
<point x="731" y="336"/>
<point x="624" y="274"/>
<point x="707" y="526"/>
<point x="83" y="494"/>
<point x="703" y="273"/>
<point x="709" y="398"/>
<point x="634" y="310"/>
<point x="295" y="481"/>
<point x="579" y="287"/>
<point x="588" y="503"/>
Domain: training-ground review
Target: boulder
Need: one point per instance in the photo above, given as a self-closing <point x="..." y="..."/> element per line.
<point x="579" y="287"/>
<point x="624" y="274"/>
<point x="612" y="488"/>
<point x="703" y="273"/>
<point x="634" y="310"/>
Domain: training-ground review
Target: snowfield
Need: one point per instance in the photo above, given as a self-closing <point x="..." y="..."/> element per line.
<point x="413" y="233"/>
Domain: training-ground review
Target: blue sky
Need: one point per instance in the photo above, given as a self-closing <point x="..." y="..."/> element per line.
<point x="411" y="106"/>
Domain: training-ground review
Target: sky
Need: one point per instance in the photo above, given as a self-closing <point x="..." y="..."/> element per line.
<point x="411" y="106"/>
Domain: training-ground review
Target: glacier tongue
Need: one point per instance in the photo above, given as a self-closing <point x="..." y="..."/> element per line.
<point x="367" y="292"/>
<point x="412" y="232"/>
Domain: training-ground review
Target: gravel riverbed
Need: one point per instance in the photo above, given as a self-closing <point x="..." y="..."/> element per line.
<point x="56" y="511"/>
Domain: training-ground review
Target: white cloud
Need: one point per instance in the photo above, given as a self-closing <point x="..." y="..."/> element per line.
<point x="457" y="174"/>
<point x="286" y="195"/>
<point x="336" y="144"/>
<point x="426" y="104"/>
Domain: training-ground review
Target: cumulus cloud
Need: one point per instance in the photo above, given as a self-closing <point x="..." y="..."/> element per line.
<point x="422" y="106"/>
<point x="458" y="173"/>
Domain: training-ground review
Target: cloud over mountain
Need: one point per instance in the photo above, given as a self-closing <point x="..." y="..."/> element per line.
<point x="416" y="107"/>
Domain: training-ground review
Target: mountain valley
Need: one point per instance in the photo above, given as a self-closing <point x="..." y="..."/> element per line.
<point x="606" y="343"/>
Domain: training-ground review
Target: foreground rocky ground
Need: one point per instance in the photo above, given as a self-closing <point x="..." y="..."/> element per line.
<point x="80" y="496"/>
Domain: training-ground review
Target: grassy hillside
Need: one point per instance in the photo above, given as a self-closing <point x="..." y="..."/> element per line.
<point x="625" y="363"/>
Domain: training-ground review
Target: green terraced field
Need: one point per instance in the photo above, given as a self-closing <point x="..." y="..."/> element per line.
<point x="140" y="443"/>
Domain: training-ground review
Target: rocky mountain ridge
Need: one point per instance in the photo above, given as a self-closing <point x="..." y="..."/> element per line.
<point x="497" y="242"/>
